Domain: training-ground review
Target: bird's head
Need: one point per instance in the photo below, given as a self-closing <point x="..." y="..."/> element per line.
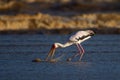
<point x="52" y="50"/>
<point x="56" y="45"/>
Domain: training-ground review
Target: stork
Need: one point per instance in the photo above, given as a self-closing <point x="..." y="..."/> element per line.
<point x="76" y="39"/>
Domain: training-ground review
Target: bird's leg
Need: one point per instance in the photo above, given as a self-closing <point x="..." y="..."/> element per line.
<point x="79" y="49"/>
<point x="75" y="55"/>
<point x="82" y="51"/>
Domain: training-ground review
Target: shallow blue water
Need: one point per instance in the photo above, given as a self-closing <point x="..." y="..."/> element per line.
<point x="101" y="60"/>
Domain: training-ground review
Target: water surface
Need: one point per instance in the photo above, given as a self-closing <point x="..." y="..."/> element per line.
<point x="101" y="60"/>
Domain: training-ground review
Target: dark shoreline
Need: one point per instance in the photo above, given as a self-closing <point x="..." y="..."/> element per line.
<point x="62" y="31"/>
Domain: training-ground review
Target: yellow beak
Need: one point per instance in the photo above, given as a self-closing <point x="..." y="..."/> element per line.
<point x="51" y="53"/>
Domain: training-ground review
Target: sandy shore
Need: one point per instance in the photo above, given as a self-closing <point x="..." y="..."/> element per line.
<point x="101" y="23"/>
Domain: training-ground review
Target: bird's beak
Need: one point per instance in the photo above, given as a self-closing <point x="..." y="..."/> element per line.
<point x="51" y="53"/>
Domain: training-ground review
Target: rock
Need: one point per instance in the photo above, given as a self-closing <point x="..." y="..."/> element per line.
<point x="37" y="60"/>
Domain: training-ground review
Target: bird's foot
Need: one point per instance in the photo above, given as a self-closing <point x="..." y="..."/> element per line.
<point x="69" y="59"/>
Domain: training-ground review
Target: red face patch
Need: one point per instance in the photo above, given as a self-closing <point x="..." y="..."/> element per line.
<point x="53" y="46"/>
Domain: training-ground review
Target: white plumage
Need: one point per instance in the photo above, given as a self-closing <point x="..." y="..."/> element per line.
<point x="79" y="37"/>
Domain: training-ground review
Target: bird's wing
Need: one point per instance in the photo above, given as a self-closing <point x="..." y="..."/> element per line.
<point x="79" y="36"/>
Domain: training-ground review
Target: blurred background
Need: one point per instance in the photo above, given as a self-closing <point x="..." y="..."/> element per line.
<point x="25" y="23"/>
<point x="59" y="16"/>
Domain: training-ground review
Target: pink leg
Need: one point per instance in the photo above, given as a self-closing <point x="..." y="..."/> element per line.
<point x="82" y="51"/>
<point x="69" y="59"/>
<point x="75" y="55"/>
<point x="79" y="48"/>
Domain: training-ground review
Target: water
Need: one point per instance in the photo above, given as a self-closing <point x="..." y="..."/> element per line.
<point x="100" y="62"/>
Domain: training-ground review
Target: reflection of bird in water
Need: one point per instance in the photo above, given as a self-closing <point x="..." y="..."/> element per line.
<point x="79" y="37"/>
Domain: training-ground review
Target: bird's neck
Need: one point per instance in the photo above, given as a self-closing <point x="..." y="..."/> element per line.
<point x="63" y="45"/>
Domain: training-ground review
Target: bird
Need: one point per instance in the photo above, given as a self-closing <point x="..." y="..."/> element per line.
<point x="76" y="39"/>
